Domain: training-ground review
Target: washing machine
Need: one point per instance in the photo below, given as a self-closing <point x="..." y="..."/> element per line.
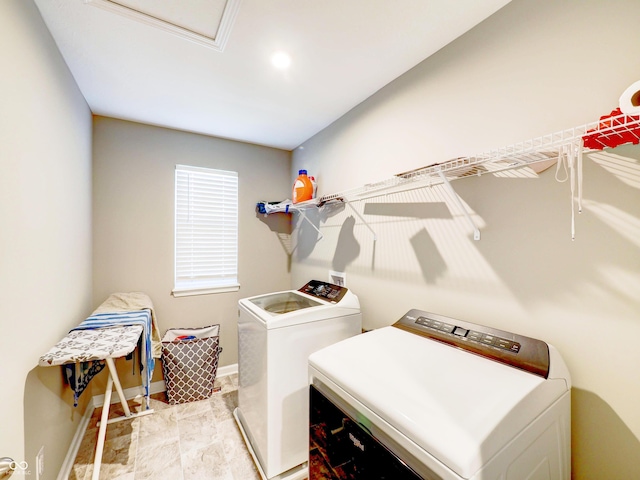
<point x="276" y="334"/>
<point x="431" y="397"/>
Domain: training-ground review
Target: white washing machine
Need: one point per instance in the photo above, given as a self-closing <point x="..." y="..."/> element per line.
<point x="276" y="334"/>
<point x="431" y="397"/>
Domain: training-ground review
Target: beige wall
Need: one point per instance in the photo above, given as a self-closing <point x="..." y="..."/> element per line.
<point x="531" y="69"/>
<point x="133" y="208"/>
<point x="45" y="212"/>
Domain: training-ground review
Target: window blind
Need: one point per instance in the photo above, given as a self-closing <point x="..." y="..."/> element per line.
<point x="206" y="231"/>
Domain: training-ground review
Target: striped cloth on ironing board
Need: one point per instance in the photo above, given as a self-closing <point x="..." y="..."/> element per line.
<point x="105" y="320"/>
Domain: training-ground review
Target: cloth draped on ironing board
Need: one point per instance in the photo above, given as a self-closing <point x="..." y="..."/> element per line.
<point x="132" y="301"/>
<point x="120" y="309"/>
<point x="80" y="374"/>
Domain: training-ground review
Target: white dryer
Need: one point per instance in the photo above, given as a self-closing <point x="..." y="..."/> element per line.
<point x="431" y="397"/>
<point x="276" y="334"/>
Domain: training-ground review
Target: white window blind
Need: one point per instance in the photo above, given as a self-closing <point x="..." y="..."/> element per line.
<point x="206" y="231"/>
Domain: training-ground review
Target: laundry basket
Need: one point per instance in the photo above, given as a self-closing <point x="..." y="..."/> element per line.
<point x="190" y="362"/>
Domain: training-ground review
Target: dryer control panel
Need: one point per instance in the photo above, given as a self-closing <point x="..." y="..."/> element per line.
<point x="515" y="350"/>
<point x="324" y="290"/>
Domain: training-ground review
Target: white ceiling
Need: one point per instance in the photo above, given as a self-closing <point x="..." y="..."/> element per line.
<point x="342" y="52"/>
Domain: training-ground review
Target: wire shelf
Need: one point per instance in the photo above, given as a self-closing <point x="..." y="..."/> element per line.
<point x="607" y="132"/>
<point x="610" y="131"/>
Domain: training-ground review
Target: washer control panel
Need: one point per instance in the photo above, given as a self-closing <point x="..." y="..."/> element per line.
<point x="511" y="349"/>
<point x="325" y="290"/>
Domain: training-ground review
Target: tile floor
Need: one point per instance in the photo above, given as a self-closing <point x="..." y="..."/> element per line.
<point x="192" y="441"/>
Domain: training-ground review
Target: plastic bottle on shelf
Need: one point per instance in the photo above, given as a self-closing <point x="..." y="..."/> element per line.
<point x="302" y="188"/>
<point x="315" y="186"/>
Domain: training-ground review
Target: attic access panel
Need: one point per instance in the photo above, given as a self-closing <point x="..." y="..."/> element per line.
<point x="207" y="22"/>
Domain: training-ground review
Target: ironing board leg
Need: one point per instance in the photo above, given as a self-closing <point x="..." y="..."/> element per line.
<point x="116" y="381"/>
<point x="104" y="419"/>
<point x="102" y="432"/>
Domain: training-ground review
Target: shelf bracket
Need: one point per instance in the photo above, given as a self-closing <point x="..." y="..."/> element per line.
<point x="366" y="224"/>
<point x="304" y="217"/>
<point x="456" y="199"/>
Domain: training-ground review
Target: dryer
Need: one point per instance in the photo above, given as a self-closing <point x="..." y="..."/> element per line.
<point x="432" y="397"/>
<point x="276" y="334"/>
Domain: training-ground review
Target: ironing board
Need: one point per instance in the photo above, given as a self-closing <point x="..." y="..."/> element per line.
<point x="105" y="343"/>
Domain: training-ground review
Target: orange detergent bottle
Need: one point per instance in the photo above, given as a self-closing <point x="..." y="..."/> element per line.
<point x="302" y="188"/>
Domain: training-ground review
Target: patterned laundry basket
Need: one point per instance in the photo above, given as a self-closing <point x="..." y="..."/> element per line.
<point x="190" y="362"/>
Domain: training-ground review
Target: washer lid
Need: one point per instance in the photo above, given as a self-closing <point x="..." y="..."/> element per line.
<point x="295" y="307"/>
<point x="455" y="406"/>
<point x="283" y="302"/>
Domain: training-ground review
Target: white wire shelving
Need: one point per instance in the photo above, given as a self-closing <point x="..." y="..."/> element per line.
<point x="609" y="131"/>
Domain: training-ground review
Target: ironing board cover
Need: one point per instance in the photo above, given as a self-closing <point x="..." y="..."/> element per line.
<point x="89" y="345"/>
<point x="112" y="331"/>
<point x="82" y="352"/>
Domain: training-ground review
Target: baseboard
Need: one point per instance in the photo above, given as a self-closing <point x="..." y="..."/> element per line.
<point x="155" y="387"/>
<point x="227" y="370"/>
<point x="67" y="464"/>
<point x="98" y="400"/>
<point x="129" y="393"/>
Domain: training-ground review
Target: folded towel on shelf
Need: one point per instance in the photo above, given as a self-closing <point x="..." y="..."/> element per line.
<point x="274" y="207"/>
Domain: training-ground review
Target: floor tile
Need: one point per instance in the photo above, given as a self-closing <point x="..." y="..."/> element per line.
<point x="197" y="431"/>
<point x="159" y="461"/>
<point x="223" y="405"/>
<point x="191" y="441"/>
<point x="207" y="462"/>
<point x="158" y="427"/>
<point x="243" y="468"/>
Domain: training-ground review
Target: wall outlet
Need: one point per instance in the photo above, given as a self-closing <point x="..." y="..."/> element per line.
<point x="338" y="278"/>
<point x="40" y="463"/>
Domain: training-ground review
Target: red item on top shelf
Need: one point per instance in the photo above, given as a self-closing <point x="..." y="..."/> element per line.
<point x="612" y="131"/>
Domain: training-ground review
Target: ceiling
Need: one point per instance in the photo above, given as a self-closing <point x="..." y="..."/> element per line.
<point x="204" y="66"/>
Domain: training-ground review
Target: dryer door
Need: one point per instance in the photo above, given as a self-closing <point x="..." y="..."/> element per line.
<point x="340" y="448"/>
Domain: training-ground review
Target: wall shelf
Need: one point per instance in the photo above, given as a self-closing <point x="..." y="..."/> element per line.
<point x="566" y="145"/>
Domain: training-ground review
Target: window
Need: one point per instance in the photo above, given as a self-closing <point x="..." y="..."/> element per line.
<point x="206" y="231"/>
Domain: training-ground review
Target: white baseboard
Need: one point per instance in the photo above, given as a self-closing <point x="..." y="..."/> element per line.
<point x="129" y="393"/>
<point x="227" y="370"/>
<point x="155" y="387"/>
<point x="98" y="400"/>
<point x="67" y="465"/>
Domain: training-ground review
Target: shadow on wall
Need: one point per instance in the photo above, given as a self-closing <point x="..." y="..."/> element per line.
<point x="280" y="224"/>
<point x="601" y="439"/>
<point x="277" y="222"/>
<point x="308" y="231"/>
<point x="410" y="210"/>
<point x="348" y="248"/>
<point x="527" y="239"/>
<point x="431" y="262"/>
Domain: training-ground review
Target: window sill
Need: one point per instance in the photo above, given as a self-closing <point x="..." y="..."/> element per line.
<point x="188" y="292"/>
